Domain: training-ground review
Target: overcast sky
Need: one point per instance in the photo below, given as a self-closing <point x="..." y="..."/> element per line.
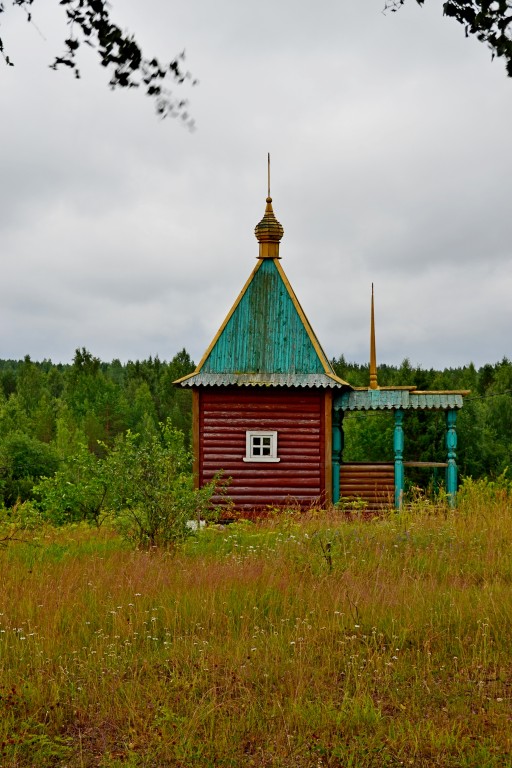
<point x="390" y="138"/>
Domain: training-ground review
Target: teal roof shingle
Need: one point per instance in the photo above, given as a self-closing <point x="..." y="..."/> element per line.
<point x="266" y="339"/>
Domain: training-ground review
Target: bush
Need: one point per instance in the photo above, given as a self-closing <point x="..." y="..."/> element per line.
<point x="144" y="482"/>
<point x="79" y="491"/>
<point x="23" y="461"/>
<point x="19" y="523"/>
<point x="154" y="488"/>
<point x="491" y="490"/>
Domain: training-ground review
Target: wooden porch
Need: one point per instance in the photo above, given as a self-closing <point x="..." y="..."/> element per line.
<point x="370" y="484"/>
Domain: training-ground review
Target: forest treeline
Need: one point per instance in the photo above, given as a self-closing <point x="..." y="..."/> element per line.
<point x="51" y="413"/>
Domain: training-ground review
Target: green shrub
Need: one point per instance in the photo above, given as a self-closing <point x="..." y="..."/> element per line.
<point x="144" y="483"/>
<point x="80" y="490"/>
<point x="23" y="461"/>
<point x="154" y="492"/>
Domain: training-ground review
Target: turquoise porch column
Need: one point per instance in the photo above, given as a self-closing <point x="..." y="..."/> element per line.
<point x="398" y="446"/>
<point x="337" y="451"/>
<point x="451" y="450"/>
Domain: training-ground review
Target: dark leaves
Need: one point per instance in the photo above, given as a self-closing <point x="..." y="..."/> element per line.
<point x="90" y="22"/>
<point x="488" y="20"/>
<point x="72" y="44"/>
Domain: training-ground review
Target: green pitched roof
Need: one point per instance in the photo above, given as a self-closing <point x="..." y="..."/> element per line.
<point x="266" y="334"/>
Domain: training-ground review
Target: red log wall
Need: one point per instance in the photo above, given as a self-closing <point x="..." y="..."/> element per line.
<point x="225" y="414"/>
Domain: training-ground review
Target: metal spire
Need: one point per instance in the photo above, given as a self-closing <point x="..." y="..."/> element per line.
<point x="373" y="355"/>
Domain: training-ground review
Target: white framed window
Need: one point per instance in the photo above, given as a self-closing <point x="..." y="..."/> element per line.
<point x="261" y="446"/>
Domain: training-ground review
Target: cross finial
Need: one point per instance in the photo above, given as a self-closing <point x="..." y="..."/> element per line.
<point x="269" y="231"/>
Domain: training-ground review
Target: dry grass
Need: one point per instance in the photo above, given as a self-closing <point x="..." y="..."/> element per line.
<point x="297" y="642"/>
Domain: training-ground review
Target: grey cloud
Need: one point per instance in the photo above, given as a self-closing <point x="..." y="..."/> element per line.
<point x="390" y="163"/>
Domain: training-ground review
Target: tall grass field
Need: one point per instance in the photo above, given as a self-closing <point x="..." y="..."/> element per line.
<point x="313" y="640"/>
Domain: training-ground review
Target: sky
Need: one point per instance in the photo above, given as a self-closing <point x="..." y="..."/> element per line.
<point x="391" y="163"/>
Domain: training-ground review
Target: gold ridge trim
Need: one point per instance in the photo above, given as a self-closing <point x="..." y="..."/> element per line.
<point x="226" y="320"/>
<point x="309" y="330"/>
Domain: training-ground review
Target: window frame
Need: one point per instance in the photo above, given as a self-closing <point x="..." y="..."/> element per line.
<point x="272" y="457"/>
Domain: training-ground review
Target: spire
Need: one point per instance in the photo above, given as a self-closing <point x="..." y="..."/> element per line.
<point x="269" y="231"/>
<point x="373" y="355"/>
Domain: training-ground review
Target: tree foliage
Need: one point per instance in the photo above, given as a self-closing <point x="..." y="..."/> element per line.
<point x="154" y="493"/>
<point x="489" y="20"/>
<point x="51" y="414"/>
<point x="74" y="423"/>
<point x="23" y="460"/>
<point x="144" y="483"/>
<point x="80" y="490"/>
<point x="89" y="22"/>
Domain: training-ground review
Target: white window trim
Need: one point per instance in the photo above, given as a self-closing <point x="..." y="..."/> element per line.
<point x="272" y="458"/>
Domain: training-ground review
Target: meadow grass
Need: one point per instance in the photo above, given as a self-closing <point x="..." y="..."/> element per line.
<point x="303" y="640"/>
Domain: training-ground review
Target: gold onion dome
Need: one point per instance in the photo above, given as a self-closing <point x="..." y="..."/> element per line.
<point x="269" y="233"/>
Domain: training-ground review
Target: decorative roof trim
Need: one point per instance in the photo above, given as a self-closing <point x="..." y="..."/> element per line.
<point x="303" y="380"/>
<point x="462" y="392"/>
<point x="380" y="400"/>
<point x="406" y="388"/>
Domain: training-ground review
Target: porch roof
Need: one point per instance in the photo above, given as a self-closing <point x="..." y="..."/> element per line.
<point x="400" y="398"/>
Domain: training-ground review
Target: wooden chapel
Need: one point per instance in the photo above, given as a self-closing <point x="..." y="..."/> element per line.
<point x="268" y="408"/>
